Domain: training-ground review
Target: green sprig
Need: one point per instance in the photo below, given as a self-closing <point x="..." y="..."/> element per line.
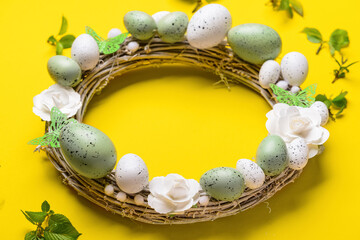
<point x="338" y="104"/>
<point x="339" y="39"/>
<point x="49" y="225"/>
<point x="61" y="41"/>
<point x="289" y="6"/>
<point x="341" y="72"/>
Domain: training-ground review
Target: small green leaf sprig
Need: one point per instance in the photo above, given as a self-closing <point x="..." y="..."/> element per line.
<point x="343" y="69"/>
<point x="338" y="104"/>
<point x="61" y="41"/>
<point x="49" y="225"/>
<point x="289" y="6"/>
<point x="338" y="39"/>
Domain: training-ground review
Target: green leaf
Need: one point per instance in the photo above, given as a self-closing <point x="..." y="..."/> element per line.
<point x="28" y="218"/>
<point x="45" y="207"/>
<point x="51" y="40"/>
<point x="340" y="100"/>
<point x="290" y="12"/>
<point x="296" y="5"/>
<point x="59" y="48"/>
<point x="338" y="40"/>
<point x="37" y="217"/>
<point x="67" y="41"/>
<point x="64" y="26"/>
<point x="313" y="35"/>
<point x="284" y="5"/>
<point x="31" y="236"/>
<point x="60" y="228"/>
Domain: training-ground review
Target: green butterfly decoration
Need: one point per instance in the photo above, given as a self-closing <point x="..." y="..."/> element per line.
<point x="51" y="138"/>
<point x="107" y="46"/>
<point x="303" y="98"/>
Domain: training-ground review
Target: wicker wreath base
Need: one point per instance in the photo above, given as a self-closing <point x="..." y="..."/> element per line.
<point x="219" y="60"/>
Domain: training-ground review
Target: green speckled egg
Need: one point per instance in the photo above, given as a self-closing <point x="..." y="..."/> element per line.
<point x="223" y="183"/>
<point x="255" y="43"/>
<point x="271" y="155"/>
<point x="140" y="24"/>
<point x="64" y="71"/>
<point x="172" y="27"/>
<point x="87" y="150"/>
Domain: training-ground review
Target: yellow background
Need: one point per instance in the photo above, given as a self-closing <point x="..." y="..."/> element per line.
<point x="177" y="122"/>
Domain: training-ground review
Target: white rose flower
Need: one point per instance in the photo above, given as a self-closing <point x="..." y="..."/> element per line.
<point x="173" y="193"/>
<point x="64" y="98"/>
<point x="291" y="122"/>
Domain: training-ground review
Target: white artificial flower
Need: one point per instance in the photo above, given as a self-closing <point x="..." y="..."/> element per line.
<point x="291" y="122"/>
<point x="64" y="98"/>
<point x="173" y="193"/>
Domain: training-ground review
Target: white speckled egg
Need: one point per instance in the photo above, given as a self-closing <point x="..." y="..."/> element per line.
<point x="253" y="175"/>
<point x="159" y="15"/>
<point x="282" y="84"/>
<point x="322" y="109"/>
<point x="294" y="68"/>
<point x="269" y="73"/>
<point x="209" y="26"/>
<point x="114" y="32"/>
<point x="298" y="153"/>
<point x="85" y="52"/>
<point x="131" y="174"/>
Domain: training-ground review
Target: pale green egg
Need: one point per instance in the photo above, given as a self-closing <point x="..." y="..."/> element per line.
<point x="140" y="25"/>
<point x="87" y="150"/>
<point x="272" y="156"/>
<point x="255" y="43"/>
<point x="64" y="71"/>
<point x="172" y="27"/>
<point x="223" y="183"/>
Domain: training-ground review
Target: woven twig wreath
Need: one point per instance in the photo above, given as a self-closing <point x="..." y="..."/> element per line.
<point x="219" y="60"/>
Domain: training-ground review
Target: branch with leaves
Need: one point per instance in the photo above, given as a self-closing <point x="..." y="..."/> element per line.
<point x="338" y="104"/>
<point x="61" y="41"/>
<point x="290" y="6"/>
<point x="343" y="69"/>
<point x="49" y="225"/>
<point x="339" y="39"/>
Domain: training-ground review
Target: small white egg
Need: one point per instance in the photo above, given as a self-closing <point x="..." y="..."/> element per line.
<point x="114" y="32"/>
<point x="109" y="190"/>
<point x="298" y="152"/>
<point x="132" y="46"/>
<point x="159" y="15"/>
<point x="294" y="68"/>
<point x="283" y="84"/>
<point x="85" y="52"/>
<point x="139" y="200"/>
<point x="121" y="196"/>
<point x="131" y="174"/>
<point x="295" y="89"/>
<point x="269" y="73"/>
<point x="322" y="109"/>
<point x="204" y="200"/>
<point x="209" y="26"/>
<point x="253" y="175"/>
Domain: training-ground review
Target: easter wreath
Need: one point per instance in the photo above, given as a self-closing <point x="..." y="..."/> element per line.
<point x="86" y="157"/>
